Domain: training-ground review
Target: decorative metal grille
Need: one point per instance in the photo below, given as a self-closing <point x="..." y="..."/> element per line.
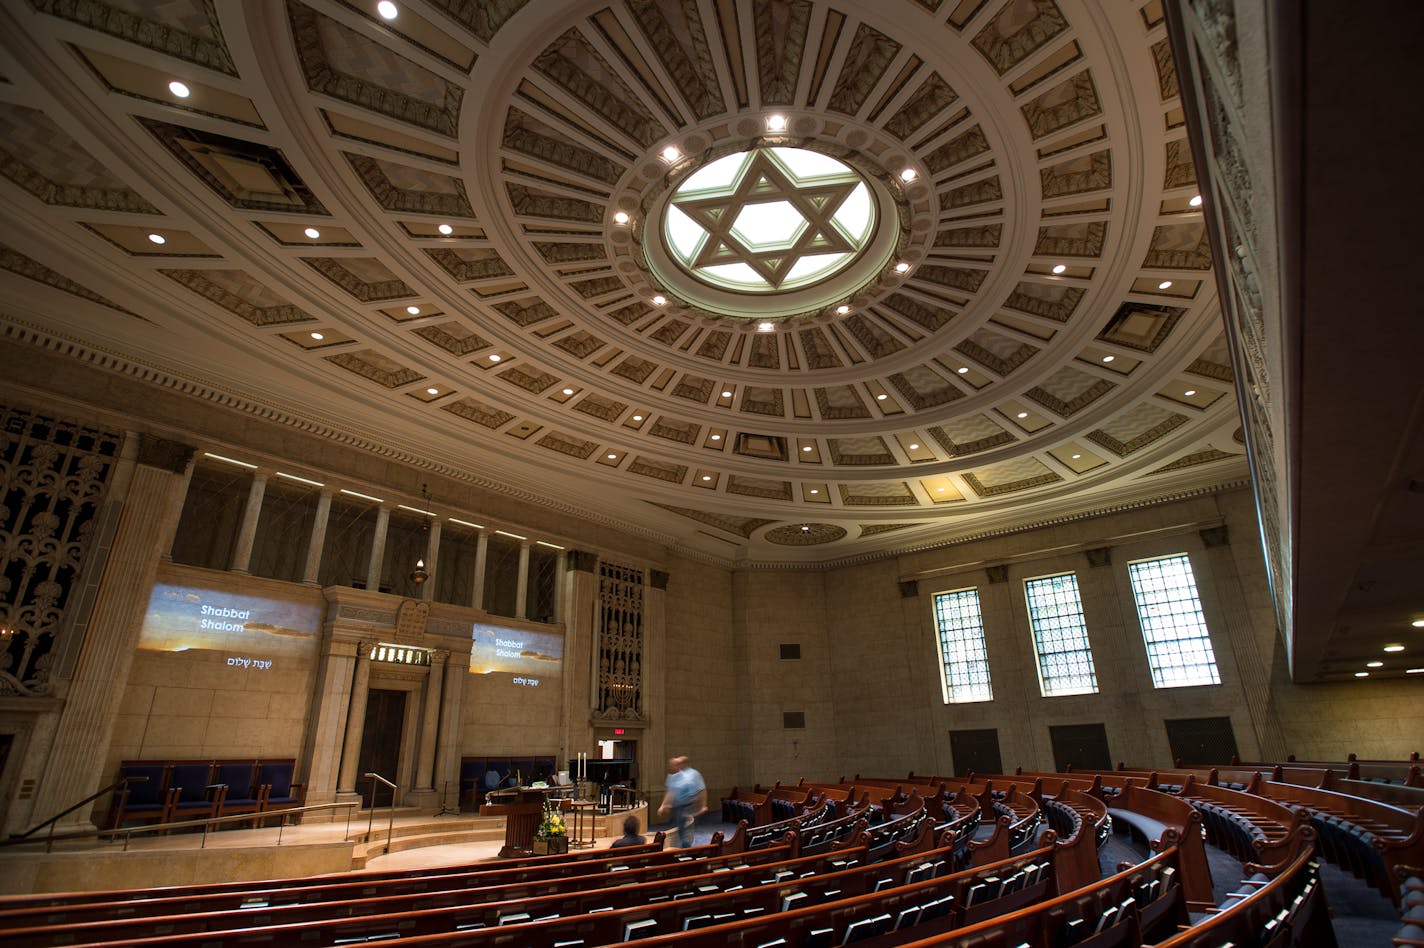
<point x="350" y="528"/>
<point x="543" y="575"/>
<point x="53" y="475"/>
<point x="284" y="530"/>
<point x="620" y="641"/>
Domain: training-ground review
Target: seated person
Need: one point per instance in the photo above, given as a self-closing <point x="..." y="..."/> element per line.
<point x="630" y="835"/>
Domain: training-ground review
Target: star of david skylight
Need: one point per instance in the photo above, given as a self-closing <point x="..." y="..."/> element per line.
<point x="769" y="220"/>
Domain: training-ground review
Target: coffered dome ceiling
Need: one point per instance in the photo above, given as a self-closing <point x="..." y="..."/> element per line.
<point x="770" y="279"/>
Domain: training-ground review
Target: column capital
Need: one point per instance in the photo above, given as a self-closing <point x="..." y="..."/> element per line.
<point x="658" y="579"/>
<point x="166" y="455"/>
<point x="582" y="561"/>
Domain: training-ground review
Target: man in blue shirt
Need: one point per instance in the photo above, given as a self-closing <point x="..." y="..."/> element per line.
<point x="686" y="797"/>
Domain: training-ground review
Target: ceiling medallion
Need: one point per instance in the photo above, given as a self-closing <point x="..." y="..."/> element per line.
<point x="804" y="534"/>
<point x="769" y="219"/>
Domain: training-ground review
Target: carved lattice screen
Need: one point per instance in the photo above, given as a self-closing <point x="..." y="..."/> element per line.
<point x="52" y="478"/>
<point x="620" y="641"/>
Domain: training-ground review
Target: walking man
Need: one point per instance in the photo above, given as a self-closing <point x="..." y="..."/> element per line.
<point x="686" y="797"/>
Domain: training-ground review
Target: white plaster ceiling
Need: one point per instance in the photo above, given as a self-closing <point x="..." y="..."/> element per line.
<point x="979" y="391"/>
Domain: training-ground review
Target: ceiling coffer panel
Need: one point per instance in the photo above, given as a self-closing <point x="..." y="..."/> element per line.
<point x="841" y="401"/>
<point x="981" y="236"/>
<point x="534" y="381"/>
<point x="344" y="64"/>
<point x="818" y="350"/>
<point x="571" y="445"/>
<point x="1141" y="326"/>
<point x="1080" y="175"/>
<point x="248" y="176"/>
<point x="932" y="97"/>
<point x="884" y="494"/>
<point x="186" y="31"/>
<point x="860" y="451"/>
<point x="17" y="263"/>
<point x="1068" y="391"/>
<point x="240" y="293"/>
<point x="481" y="17"/>
<point x="1136" y="428"/>
<point x="1051" y="301"/>
<point x="928" y="317"/>
<point x="758" y="487"/>
<point x="575" y="66"/>
<point x="602" y="408"/>
<point x="924" y="388"/>
<point x="1179" y="247"/>
<point x="870" y="55"/>
<point x="1000" y="354"/>
<point x="44" y="160"/>
<point x="872" y="337"/>
<point x="741" y="526"/>
<point x="1010" y="477"/>
<point x="528" y="136"/>
<point x="1017" y="32"/>
<point x="410" y="190"/>
<point x="544" y="205"/>
<point x="677" y="36"/>
<point x="968" y="144"/>
<point x="1067" y="103"/>
<point x="470" y="264"/>
<point x="525" y="312"/>
<point x="454" y="337"/>
<point x="781" y="29"/>
<point x="763" y="400"/>
<point x="762" y="446"/>
<point x="970" y="435"/>
<point x="365" y="278"/>
<point x="580" y="345"/>
<point x="375" y="366"/>
<point x="662" y="470"/>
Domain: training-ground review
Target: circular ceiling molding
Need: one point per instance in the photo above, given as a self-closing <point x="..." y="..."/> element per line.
<point x="804" y="534"/>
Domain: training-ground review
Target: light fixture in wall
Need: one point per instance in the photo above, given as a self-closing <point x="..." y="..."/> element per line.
<point x="420" y="574"/>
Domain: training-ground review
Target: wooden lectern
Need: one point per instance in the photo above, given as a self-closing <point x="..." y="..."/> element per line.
<point x="522" y="809"/>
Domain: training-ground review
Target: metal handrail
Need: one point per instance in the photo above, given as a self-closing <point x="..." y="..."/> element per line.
<point x="391" y="826"/>
<point x="128" y="832"/>
<point x="121" y="782"/>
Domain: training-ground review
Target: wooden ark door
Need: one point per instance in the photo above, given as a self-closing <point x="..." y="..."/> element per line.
<point x="380" y="744"/>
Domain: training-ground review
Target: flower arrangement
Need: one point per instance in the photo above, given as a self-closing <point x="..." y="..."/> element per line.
<point x="551" y="824"/>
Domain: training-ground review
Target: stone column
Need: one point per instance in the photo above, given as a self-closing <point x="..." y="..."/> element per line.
<point x="180" y="497"/>
<point x="311" y="572"/>
<point x="477" y="592"/>
<point x="432" y="561"/>
<point x="424" y="789"/>
<point x="521" y="593"/>
<point x="378" y="549"/>
<point x="580" y="645"/>
<point x="247" y="532"/>
<point x="447" y="760"/>
<point x="331" y="701"/>
<point x="652" y="748"/>
<point x="93" y="695"/>
<point x="561" y="566"/>
<point x="355" y="722"/>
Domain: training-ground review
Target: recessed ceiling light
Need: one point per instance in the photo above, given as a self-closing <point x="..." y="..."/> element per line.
<point x="1165" y="285"/>
<point x="1196" y="201"/>
<point x="914" y="447"/>
<point x="706" y="477"/>
<point x="317" y="336"/>
<point x="446" y="229"/>
<point x="940" y="490"/>
<point x="637" y="417"/>
<point x="1362" y="674"/>
<point x="765" y="327"/>
<point x="902" y="267"/>
<point x="568" y="391"/>
<point x="621" y="217"/>
<point x="881" y="397"/>
<point x="1109" y="358"/>
<point x="1022" y="414"/>
<point x="806" y="448"/>
<point x="1077" y="457"/>
<point x="716" y="437"/>
<point x="495" y="357"/>
<point x="776" y="123"/>
<point x="805" y="529"/>
<point x="1374" y="664"/>
<point x="1394" y="648"/>
<point x="814" y="491"/>
<point x="907" y="174"/>
<point x="432" y="391"/>
<point x="1189" y="392"/>
<point x="1059" y="268"/>
<point x="1418" y="623"/>
<point x="962" y="370"/>
<point x="158" y="239"/>
<point x="727" y="393"/>
<point x="842" y="310"/>
<point x="612" y="457"/>
<point x="413" y="310"/>
<point x="671" y="153"/>
<point x="179" y="89"/>
<point x="1414" y="671"/>
<point x="312" y="232"/>
<point x="659" y="300"/>
<point x="387" y="10"/>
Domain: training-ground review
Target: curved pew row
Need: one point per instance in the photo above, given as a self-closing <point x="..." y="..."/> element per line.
<point x="962" y="897"/>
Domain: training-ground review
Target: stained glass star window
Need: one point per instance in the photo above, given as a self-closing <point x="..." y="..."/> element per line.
<point x="769" y="220"/>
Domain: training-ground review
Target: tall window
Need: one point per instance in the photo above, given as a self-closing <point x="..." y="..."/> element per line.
<point x="964" y="659"/>
<point x="1178" y="646"/>
<point x="1065" y="660"/>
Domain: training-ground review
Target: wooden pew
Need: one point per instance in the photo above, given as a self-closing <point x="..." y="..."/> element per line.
<point x="1138" y="905"/>
<point x="1267" y="833"/>
<point x="487" y="904"/>
<point x="1369" y="838"/>
<point x="748" y="805"/>
<point x="1288" y="911"/>
<point x="450" y="926"/>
